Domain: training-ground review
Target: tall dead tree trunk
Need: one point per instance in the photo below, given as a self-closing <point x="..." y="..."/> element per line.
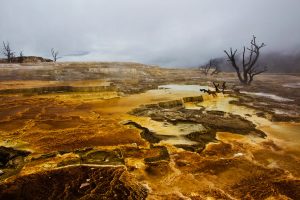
<point x="7" y="52"/>
<point x="249" y="67"/>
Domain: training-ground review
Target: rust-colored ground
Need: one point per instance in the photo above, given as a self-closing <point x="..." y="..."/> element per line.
<point x="73" y="135"/>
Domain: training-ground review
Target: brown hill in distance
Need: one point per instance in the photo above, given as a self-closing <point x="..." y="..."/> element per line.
<point x="27" y="59"/>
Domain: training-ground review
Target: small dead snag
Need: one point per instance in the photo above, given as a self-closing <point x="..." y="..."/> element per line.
<point x="212" y="65"/>
<point x="217" y="89"/>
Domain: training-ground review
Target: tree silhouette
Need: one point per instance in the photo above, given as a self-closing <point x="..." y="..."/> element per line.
<point x="54" y="55"/>
<point x="249" y="68"/>
<point x="7" y="52"/>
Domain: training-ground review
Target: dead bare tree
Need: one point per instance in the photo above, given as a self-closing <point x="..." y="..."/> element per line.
<point x="54" y="55"/>
<point x="205" y="69"/>
<point x="223" y="87"/>
<point x="7" y="52"/>
<point x="210" y="66"/>
<point x="216" y="70"/>
<point x="217" y="87"/>
<point x="249" y="68"/>
<point x="21" y="57"/>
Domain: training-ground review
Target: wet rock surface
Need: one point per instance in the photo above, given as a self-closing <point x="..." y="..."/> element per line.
<point x="213" y="120"/>
<point x="146" y="133"/>
<point x="274" y="110"/>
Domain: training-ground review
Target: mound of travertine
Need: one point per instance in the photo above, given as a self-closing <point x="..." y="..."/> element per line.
<point x="212" y="120"/>
<point x="78" y="182"/>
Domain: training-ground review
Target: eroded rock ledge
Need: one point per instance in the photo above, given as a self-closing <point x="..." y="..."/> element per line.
<point x="213" y="121"/>
<point x="80" y="182"/>
<point x="11" y="161"/>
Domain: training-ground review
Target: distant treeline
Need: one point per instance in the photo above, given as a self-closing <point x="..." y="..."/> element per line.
<point x="276" y="63"/>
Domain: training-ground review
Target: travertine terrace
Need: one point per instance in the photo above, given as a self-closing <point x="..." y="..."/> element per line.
<point x="128" y="130"/>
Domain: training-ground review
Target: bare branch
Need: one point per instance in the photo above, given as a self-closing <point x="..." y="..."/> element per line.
<point x="249" y="67"/>
<point x="216" y="71"/>
<point x="7" y="52"/>
<point x="216" y="86"/>
<point x="223" y="87"/>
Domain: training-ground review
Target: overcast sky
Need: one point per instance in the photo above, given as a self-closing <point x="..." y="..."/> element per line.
<point x="164" y="32"/>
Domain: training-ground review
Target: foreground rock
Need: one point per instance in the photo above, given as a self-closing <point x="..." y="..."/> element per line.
<point x="11" y="161"/>
<point x="75" y="183"/>
<point x="8" y="155"/>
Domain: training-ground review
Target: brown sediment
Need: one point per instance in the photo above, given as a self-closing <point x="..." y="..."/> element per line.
<point x="263" y="185"/>
<point x="218" y="149"/>
<point x="163" y="155"/>
<point x="250" y="180"/>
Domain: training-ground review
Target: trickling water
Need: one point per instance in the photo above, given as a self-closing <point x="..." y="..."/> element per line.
<point x="267" y="95"/>
<point x="292" y="85"/>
